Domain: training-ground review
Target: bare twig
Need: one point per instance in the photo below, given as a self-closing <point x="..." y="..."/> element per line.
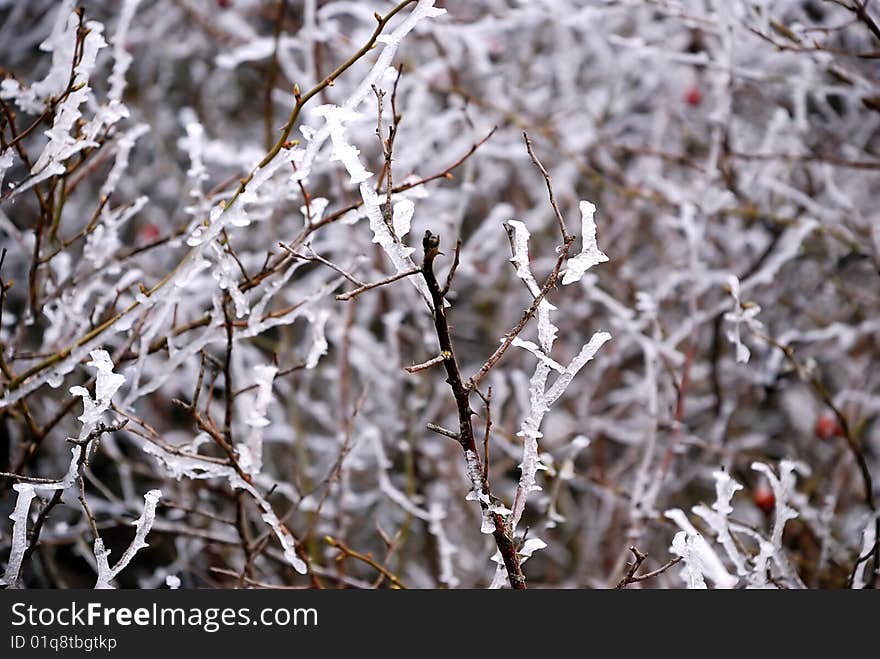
<point x="452" y="268"/>
<point x="348" y="552"/>
<point x="439" y="359"/>
<point x="440" y="430"/>
<point x="559" y="218"/>
<point x="366" y="287"/>
<point x="639" y="558"/>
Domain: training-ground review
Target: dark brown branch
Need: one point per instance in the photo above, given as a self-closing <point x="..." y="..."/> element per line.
<point x="461" y="392"/>
<point x="639" y="558"/>
<point x="452" y="268"/>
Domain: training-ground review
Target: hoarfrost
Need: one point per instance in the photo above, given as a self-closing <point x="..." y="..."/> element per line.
<point x="590" y="253"/>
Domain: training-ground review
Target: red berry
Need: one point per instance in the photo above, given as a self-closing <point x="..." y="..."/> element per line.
<point x="827" y="427"/>
<point x="694" y="96"/>
<point x="764" y="498"/>
<point x="149" y="232"/>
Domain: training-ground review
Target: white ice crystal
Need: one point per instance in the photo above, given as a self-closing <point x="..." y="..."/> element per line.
<point x="699" y="557"/>
<point x="687" y="546"/>
<point x="144" y="523"/>
<point x="251" y="452"/>
<point x="343" y="150"/>
<point x="19" y="518"/>
<point x="401" y="218"/>
<point x="520" y="244"/>
<point x="717" y="517"/>
<point x="529" y="547"/>
<point x="6" y="158"/>
<point x="741" y="315"/>
<point x="590" y="253"/>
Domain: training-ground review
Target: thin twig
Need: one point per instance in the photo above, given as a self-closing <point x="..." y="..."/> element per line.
<point x="366" y="287"/>
<point x="439" y="359"/>
<point x="440" y="430"/>
<point x="639" y="558"/>
<point x="347" y="551"/>
<point x="549" y="183"/>
<point x="528" y="314"/>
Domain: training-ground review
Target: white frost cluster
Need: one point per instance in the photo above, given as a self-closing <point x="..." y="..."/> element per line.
<point x="392" y="243"/>
<point x="107" y="383"/>
<point x="62" y="144"/>
<point x="251" y="452"/>
<point x="144" y="523"/>
<point x="590" y="253"/>
<point x="178" y="466"/>
<point x="541" y="398"/>
<point x="741" y="315"/>
<point x="702" y="560"/>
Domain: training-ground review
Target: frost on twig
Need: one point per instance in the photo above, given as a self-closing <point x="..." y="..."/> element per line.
<point x="741" y="314"/>
<point x="144" y="523"/>
<point x="520" y="244"/>
<point x="541" y="398"/>
<point x="700" y="559"/>
<point x="717" y="517"/>
<point x="590" y="253"/>
<point x="690" y="548"/>
<point x="61" y="42"/>
<point x="193" y="467"/>
<point x="783" y="487"/>
<point x="754" y="570"/>
<point x="250" y="454"/>
<point x="19" y="517"/>
<point x="399" y="253"/>
<point x="62" y="144"/>
<point x="106" y="385"/>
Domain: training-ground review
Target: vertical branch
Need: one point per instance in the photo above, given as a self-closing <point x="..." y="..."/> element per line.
<point x="272" y="76"/>
<point x="461" y="393"/>
<point x="227" y="373"/>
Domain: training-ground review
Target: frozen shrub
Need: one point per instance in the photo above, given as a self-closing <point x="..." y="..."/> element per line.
<point x="439" y="294"/>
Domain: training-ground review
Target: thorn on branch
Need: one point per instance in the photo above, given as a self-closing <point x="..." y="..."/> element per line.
<point x="453" y="268"/>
